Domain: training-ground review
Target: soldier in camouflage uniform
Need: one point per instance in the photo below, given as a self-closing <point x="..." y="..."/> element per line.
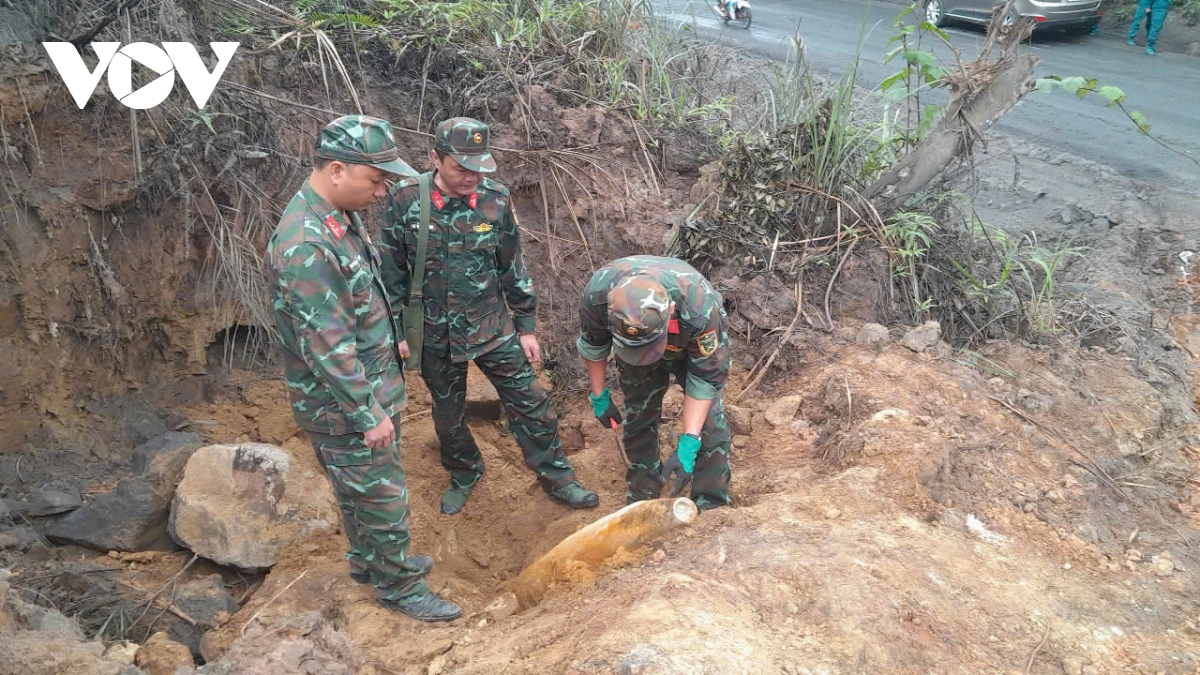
<point x="479" y="305"/>
<point x="342" y="359"/>
<point x="661" y="318"/>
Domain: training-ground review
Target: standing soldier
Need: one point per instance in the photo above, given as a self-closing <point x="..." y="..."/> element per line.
<point x="468" y="269"/>
<point x="342" y="360"/>
<point x="661" y="317"/>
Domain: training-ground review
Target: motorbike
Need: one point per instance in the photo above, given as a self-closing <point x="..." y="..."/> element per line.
<point x="741" y="16"/>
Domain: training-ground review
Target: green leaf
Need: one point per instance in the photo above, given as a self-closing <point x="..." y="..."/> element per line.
<point x="923" y="59"/>
<point x="892" y="54"/>
<point x="911" y="8"/>
<point x="1140" y="121"/>
<point x="1072" y="85"/>
<point x="893" y="80"/>
<point x="1113" y="94"/>
<point x="930" y="28"/>
<point x="1048" y="84"/>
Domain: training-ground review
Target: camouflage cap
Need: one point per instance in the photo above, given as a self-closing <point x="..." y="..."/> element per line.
<point x="358" y="139"/>
<point x="639" y="312"/>
<point x="466" y="140"/>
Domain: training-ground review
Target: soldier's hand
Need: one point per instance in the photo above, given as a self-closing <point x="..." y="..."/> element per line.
<point x="404" y="353"/>
<point x="681" y="463"/>
<point x="381" y="436"/>
<point x="606" y="413"/>
<point x="533" y="351"/>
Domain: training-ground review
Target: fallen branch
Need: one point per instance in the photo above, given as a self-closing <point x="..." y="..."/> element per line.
<point x="787" y="337"/>
<point x="1037" y="649"/>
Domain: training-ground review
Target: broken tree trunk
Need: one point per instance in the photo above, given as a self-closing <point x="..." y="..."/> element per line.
<point x="577" y="556"/>
<point x="982" y="91"/>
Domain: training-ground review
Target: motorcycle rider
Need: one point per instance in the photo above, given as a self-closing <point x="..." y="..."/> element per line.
<point x="731" y="9"/>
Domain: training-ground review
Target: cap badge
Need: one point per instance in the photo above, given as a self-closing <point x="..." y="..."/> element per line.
<point x="478" y="137"/>
<point x="631" y="330"/>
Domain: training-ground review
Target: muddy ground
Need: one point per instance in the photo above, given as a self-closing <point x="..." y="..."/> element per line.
<point x="1014" y="508"/>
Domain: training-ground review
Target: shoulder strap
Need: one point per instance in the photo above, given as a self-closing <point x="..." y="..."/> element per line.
<point x="417" y="290"/>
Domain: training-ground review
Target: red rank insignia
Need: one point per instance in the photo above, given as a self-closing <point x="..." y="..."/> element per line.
<point x="335" y="227"/>
<point x="438" y="200"/>
<point x="473" y="200"/>
<point x="673" y="326"/>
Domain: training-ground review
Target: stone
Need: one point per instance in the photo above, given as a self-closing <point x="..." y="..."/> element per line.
<point x="767" y="303"/>
<point x="923" y="337"/>
<point x="1034" y="402"/>
<point x="34" y="653"/>
<point x="133" y="517"/>
<point x="483" y="401"/>
<point x="1072" y="666"/>
<point x="160" y="655"/>
<point x="167" y="444"/>
<point x="438" y="665"/>
<point x="44" y="620"/>
<point x="502" y="607"/>
<point x="233" y="506"/>
<point x="872" y="335"/>
<point x="741" y="442"/>
<point x="658" y="556"/>
<point x="1090" y="670"/>
<point x="740" y="420"/>
<point x="996" y="384"/>
<point x="832" y="514"/>
<point x="206" y="600"/>
<point x="18" y="539"/>
<point x="1133" y="555"/>
<point x="781" y="412"/>
<point x="47" y="502"/>
<point x="1162" y="565"/>
<point x="571" y="435"/>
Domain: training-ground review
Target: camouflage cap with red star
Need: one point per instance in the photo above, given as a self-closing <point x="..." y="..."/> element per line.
<point x="466" y="141"/>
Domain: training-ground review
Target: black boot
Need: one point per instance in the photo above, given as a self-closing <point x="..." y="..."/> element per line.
<point x="575" y="496"/>
<point x="429" y="608"/>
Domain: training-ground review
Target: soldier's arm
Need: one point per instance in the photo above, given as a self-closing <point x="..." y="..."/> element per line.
<point x="595" y="342"/>
<point x="319" y="299"/>
<point x="395" y="254"/>
<point x="518" y="287"/>
<point x="708" y="356"/>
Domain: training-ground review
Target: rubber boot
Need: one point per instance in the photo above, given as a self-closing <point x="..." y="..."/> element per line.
<point x="575" y="496"/>
<point x="429" y="608"/>
<point x="422" y="562"/>
<point x="1150" y="51"/>
<point x="455" y="497"/>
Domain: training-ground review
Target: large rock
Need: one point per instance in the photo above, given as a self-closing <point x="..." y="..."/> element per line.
<point x="740" y="420"/>
<point x="872" y="335"/>
<point x="781" y="412"/>
<point x="923" y="337"/>
<point x="47" y="501"/>
<point x="161" y="655"/>
<point x="234" y="507"/>
<point x="483" y="401"/>
<point x="206" y="600"/>
<point x="133" y="517"/>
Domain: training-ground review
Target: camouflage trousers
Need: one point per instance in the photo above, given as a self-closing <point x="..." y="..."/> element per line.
<point x="531" y="420"/>
<point x="644" y="388"/>
<point x="373" y="499"/>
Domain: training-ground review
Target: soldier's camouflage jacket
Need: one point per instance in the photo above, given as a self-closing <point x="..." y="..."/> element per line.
<point x="342" y="363"/>
<point x="697" y="332"/>
<point x="472" y="269"/>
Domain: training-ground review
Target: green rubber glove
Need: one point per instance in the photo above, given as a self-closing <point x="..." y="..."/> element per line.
<point x="680" y="464"/>
<point x="600" y="402"/>
<point x="686" y="449"/>
<point x="605" y="412"/>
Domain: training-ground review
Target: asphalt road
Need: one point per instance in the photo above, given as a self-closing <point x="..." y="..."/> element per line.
<point x="1165" y="88"/>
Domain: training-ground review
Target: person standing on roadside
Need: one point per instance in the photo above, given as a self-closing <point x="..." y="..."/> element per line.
<point x="342" y="358"/>
<point x="1157" y="11"/>
<point x="660" y="317"/>
<point x="470" y="299"/>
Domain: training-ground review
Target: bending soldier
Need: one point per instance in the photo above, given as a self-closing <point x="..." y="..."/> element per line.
<point x="660" y="317"/>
